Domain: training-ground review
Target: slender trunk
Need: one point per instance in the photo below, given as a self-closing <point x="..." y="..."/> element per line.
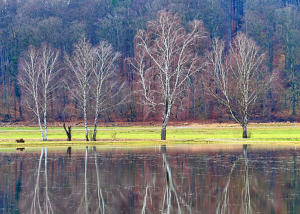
<point x="165" y="121"/>
<point x="96" y="119"/>
<point x="245" y="131"/>
<point x="45" y="115"/>
<point x="95" y="132"/>
<point x="163" y="132"/>
<point x="39" y="118"/>
<point x="41" y="128"/>
<point x="85" y="116"/>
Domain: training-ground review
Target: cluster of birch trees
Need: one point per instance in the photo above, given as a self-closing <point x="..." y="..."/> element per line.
<point x="89" y="74"/>
<point x="167" y="56"/>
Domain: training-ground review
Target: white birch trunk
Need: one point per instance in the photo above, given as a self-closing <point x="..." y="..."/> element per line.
<point x="39" y="118"/>
<point x="85" y="116"/>
<point x="45" y="114"/>
<point x="96" y="119"/>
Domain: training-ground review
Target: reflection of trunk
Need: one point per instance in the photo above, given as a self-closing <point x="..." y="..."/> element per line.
<point x="223" y="201"/>
<point x="48" y="206"/>
<point x="101" y="204"/>
<point x="145" y="200"/>
<point x="84" y="202"/>
<point x="169" y="186"/>
<point x="85" y="181"/>
<point x="36" y="197"/>
<point x="246" y="199"/>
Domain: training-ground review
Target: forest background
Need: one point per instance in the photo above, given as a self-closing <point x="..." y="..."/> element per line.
<point x="273" y="24"/>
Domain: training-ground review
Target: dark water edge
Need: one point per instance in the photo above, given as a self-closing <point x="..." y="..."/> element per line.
<point x="161" y="179"/>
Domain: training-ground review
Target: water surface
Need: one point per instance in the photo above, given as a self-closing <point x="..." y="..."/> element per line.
<point x="188" y="179"/>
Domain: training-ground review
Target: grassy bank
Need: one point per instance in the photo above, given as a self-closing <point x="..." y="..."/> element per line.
<point x="142" y="136"/>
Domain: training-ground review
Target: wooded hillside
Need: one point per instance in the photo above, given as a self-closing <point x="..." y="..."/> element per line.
<point x="273" y="24"/>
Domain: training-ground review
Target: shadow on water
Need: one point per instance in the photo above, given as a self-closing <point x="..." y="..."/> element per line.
<point x="162" y="180"/>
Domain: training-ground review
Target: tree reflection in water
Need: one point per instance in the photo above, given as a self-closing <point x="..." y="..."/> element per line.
<point x="169" y="186"/>
<point x="246" y="199"/>
<point x="84" y="204"/>
<point x="101" y="204"/>
<point x="222" y="206"/>
<point x="36" y="206"/>
<point x="148" y="181"/>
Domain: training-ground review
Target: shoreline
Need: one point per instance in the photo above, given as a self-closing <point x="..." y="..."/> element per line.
<point x="124" y="143"/>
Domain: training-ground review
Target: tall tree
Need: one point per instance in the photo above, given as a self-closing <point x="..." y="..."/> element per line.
<point x="166" y="56"/>
<point x="103" y="71"/>
<point x="236" y="78"/>
<point x="37" y="76"/>
<point x="80" y="65"/>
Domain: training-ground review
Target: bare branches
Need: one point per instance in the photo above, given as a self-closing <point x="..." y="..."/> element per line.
<point x="104" y="67"/>
<point x="165" y="57"/>
<point x="94" y="71"/>
<point x="37" y="76"/>
<point x="235" y="79"/>
<point x="171" y="52"/>
<point x="81" y="64"/>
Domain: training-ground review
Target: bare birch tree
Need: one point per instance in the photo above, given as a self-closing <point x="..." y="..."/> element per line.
<point x="93" y="69"/>
<point x="104" y="67"/>
<point x="80" y="65"/>
<point x="49" y="71"/>
<point x="38" y="69"/>
<point x="165" y="57"/>
<point x="236" y="78"/>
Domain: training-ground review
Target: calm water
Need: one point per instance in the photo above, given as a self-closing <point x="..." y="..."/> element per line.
<point x="185" y="179"/>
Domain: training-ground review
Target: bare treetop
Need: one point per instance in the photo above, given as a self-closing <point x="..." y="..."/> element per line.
<point x="81" y="65"/>
<point x="170" y="54"/>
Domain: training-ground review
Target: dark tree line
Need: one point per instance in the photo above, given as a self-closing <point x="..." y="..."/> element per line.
<point x="273" y="24"/>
